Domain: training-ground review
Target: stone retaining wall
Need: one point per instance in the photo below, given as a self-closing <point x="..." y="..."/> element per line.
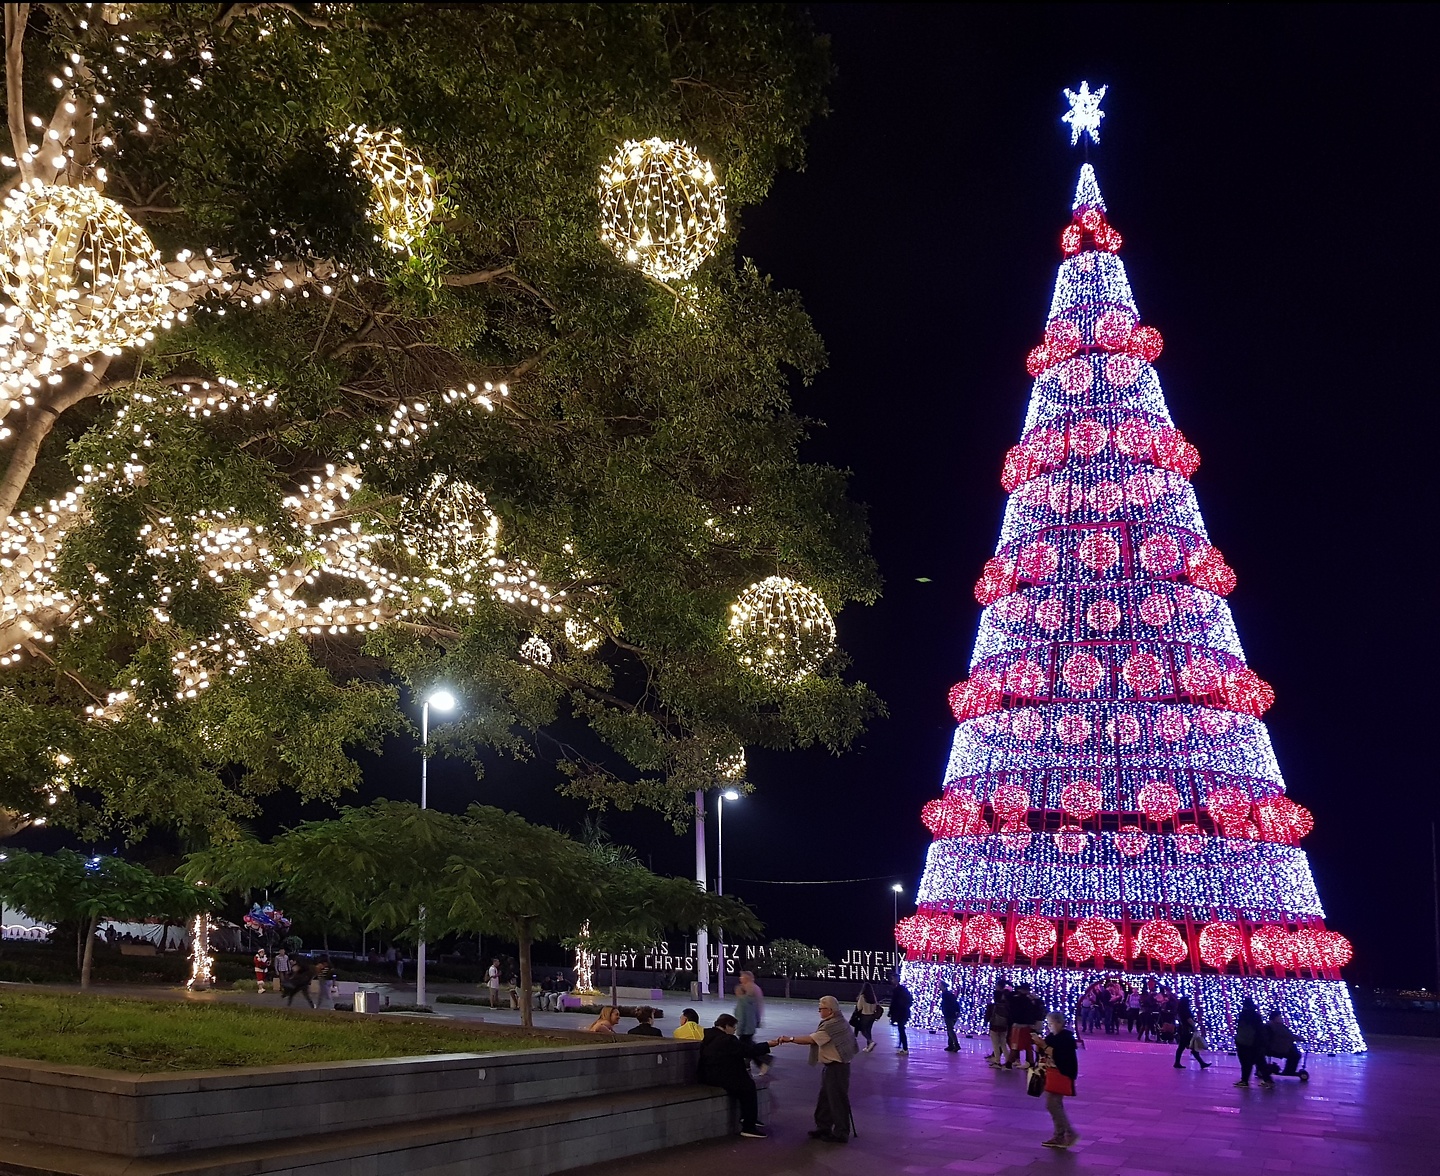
<point x="156" y="1114"/>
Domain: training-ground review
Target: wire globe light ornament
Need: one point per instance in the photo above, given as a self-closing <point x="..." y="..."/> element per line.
<point x="84" y="273"/>
<point x="781" y="630"/>
<point x="662" y="208"/>
<point x="536" y="651"/>
<point x="731" y="767"/>
<point x="402" y="190"/>
<point x="581" y="635"/>
<point x="451" y="527"/>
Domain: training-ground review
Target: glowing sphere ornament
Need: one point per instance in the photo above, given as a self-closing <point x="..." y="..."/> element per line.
<point x="662" y="208"/>
<point x="983" y="935"/>
<point x="535" y="651"/>
<point x="402" y="191"/>
<point x="732" y="767"/>
<point x="1011" y="803"/>
<point x="81" y="270"/>
<point x="1220" y="943"/>
<point x="450" y="527"/>
<point x="1035" y="936"/>
<point x="1161" y="941"/>
<point x="781" y="630"/>
<point x="582" y="635"/>
<point x="1102" y="934"/>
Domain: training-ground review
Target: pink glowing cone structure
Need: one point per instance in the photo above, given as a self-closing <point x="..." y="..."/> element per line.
<point x="1112" y="803"/>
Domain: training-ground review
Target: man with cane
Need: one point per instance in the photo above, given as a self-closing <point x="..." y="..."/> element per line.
<point x="832" y="1046"/>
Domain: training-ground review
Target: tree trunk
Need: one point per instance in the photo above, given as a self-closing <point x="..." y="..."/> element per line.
<point x="80" y="945"/>
<point x="523" y="936"/>
<point x="89" y="952"/>
<point x="787" y="985"/>
<point x="614" y="992"/>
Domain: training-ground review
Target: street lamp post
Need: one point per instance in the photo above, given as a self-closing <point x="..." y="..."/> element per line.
<point x="702" y="939"/>
<point x="443" y="701"/>
<point x="895" y="892"/>
<point x="728" y="794"/>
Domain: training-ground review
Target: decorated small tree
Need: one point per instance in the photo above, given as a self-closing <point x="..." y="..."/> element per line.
<point x="1112" y="801"/>
<point x="791" y="958"/>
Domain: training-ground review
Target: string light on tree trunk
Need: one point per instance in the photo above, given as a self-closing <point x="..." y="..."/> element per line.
<point x="662" y="208"/>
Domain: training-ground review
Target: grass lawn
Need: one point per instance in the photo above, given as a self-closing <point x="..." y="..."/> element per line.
<point x="151" y="1037"/>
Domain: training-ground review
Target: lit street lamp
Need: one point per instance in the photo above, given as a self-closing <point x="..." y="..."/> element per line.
<point x="444" y="702"/>
<point x="895" y="892"/>
<point x="728" y="794"/>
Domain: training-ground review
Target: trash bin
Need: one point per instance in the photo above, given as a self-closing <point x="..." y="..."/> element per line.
<point x="367" y="1000"/>
<point x="694" y="990"/>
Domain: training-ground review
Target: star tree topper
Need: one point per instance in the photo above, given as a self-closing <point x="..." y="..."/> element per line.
<point x="1084" y="114"/>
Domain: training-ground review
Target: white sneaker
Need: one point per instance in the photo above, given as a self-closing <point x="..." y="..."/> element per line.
<point x="869" y="1047"/>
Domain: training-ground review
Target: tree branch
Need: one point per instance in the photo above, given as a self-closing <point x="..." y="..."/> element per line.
<point x="475" y="279"/>
<point x="37" y="428"/>
<point x="16" y="17"/>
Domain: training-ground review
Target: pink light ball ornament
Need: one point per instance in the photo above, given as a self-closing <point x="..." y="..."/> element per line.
<point x="996" y="580"/>
<point x="1016" y="837"/>
<point x="1220" y="943"/>
<point x="1124" y="730"/>
<point x="1143" y="672"/>
<point x="1071" y="840"/>
<point x="1108" y="238"/>
<point x="1038" y="562"/>
<point x="1160" y="941"/>
<point x="1077" y="376"/>
<point x="1019" y="467"/>
<point x="983" y="935"/>
<point x="1098" y="551"/>
<point x="1122" y="370"/>
<point x="1071" y="239"/>
<point x="1338" y="951"/>
<point x="1189" y="839"/>
<point x="1215" y="722"/>
<point x="1082" y="800"/>
<point x="1051" y="614"/>
<point x="1015" y="608"/>
<point x="978" y="695"/>
<point x="1160" y="554"/>
<point x="1156" y="610"/>
<point x="1047" y="446"/>
<point x="1131" y="840"/>
<point x="1271" y="946"/>
<point x="1011" y="803"/>
<point x="1025" y="679"/>
<point x="1106" y="497"/>
<point x="1082" y="672"/>
<point x="1103" y="616"/>
<point x="1072" y="730"/>
<point x="1159" y="800"/>
<point x="1133" y="436"/>
<point x="1035" y="936"/>
<point x="1062" y="339"/>
<point x="1171" y="725"/>
<point x="1227" y="802"/>
<point x="1027" y="724"/>
<point x="1102" y="933"/>
<point x="1281" y="819"/>
<point x="1207" y="569"/>
<point x="1248" y="693"/>
<point x="1113" y="328"/>
<point x="956" y="814"/>
<point x="1201" y="676"/>
<point x="1078" y="948"/>
<point x="1088" y="437"/>
<point x="1147" y="343"/>
<point x="1145" y="488"/>
<point x="1066" y="497"/>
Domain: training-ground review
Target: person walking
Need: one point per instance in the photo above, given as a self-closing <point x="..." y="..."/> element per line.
<point x="1250" y="1043"/>
<point x="832" y="1047"/>
<point x="1023" y="1013"/>
<point x="747" y="1012"/>
<point x="1187" y="1034"/>
<point x="867" y="1012"/>
<point x="997" y="1020"/>
<point x="950" y="1013"/>
<point x="900" y="1002"/>
<point x="722" y="1063"/>
<point x="492" y="982"/>
<point x="298" y="982"/>
<point x="1132" y="1009"/>
<point x="1060" y="1075"/>
<point x="262" y="968"/>
<point x="282" y="965"/>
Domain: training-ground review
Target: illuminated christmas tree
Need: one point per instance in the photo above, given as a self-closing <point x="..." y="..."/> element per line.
<point x="1112" y="802"/>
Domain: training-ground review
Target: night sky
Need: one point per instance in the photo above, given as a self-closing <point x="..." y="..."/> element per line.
<point x="1274" y="173"/>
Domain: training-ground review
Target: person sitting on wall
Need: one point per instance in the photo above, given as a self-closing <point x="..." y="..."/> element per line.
<point x="722" y="1063"/>
<point x="689" y="1027"/>
<point x="607" y="1020"/>
<point x="644" y="1023"/>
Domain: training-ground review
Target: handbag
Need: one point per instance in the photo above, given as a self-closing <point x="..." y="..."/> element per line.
<point x="1037" y="1082"/>
<point x="1057" y="1083"/>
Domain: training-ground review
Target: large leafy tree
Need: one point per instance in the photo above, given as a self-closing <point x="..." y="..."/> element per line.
<point x="405" y="870"/>
<point x="66" y="887"/>
<point x="226" y="547"/>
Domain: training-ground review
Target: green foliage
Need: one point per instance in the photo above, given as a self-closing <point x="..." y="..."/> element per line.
<point x="646" y="462"/>
<point x="149" y="1037"/>
<point x="66" y="887"/>
<point x="791" y="958"/>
